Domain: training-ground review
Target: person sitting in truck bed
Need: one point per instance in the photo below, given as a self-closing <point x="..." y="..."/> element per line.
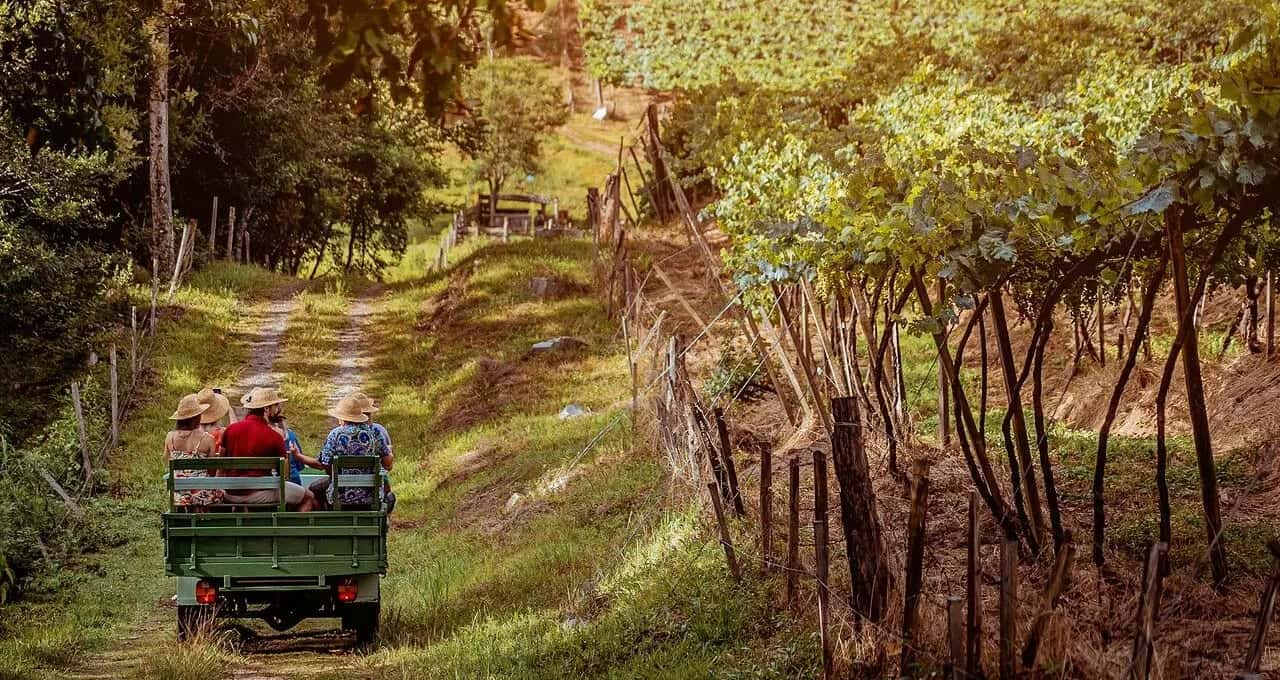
<point x="211" y="419"/>
<point x="370" y="409"/>
<point x="352" y="437"/>
<point x="254" y="437"/>
<point x="187" y="440"/>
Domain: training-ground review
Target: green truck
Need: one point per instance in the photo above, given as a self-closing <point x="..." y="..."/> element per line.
<point x="264" y="562"/>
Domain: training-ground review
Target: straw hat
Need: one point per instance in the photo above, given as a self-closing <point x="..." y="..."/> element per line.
<point x="189" y="407"/>
<point x="219" y="406"/>
<point x="366" y="402"/>
<point x="262" y="397"/>
<point x="348" y="410"/>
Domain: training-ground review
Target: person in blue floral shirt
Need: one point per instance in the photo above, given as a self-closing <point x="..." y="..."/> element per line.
<point x="352" y="437"/>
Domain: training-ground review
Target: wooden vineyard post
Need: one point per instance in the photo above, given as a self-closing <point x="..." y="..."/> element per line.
<point x="973" y="593"/>
<point x="1102" y="329"/>
<point x="915" y="563"/>
<point x="1008" y="608"/>
<point x="864" y="547"/>
<point x="1253" y="660"/>
<point x="1057" y="583"/>
<point x="955" y="637"/>
<point x="725" y="540"/>
<point x="820" y="558"/>
<point x="213" y="231"/>
<point x="766" y="509"/>
<point x="1270" y="308"/>
<point x="506" y="229"/>
<point x="726" y="456"/>
<point x="231" y="232"/>
<point x="793" y="528"/>
<point x="1148" y="605"/>
<point x="82" y="432"/>
<point x="115" y="399"/>
<point x="248" y="259"/>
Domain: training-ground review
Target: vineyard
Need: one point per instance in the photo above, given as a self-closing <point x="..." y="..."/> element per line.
<point x="927" y="183"/>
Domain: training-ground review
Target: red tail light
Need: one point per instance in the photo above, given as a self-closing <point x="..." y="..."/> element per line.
<point x="206" y="592"/>
<point x="347" y="590"/>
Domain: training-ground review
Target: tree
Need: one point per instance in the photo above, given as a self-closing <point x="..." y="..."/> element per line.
<point x="514" y="105"/>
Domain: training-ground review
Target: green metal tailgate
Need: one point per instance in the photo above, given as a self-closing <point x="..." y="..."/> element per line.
<point x="265" y="544"/>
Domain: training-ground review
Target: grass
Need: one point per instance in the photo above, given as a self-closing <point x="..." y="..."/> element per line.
<point x="90" y="600"/>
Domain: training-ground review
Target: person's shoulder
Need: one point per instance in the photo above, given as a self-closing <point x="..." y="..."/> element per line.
<point x="204" y="440"/>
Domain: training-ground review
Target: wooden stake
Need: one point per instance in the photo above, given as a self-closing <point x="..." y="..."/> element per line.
<point x="213" y="231"/>
<point x="133" y="344"/>
<point x="506" y="229"/>
<point x="973" y="592"/>
<point x="680" y="297"/>
<point x="1102" y="330"/>
<point x="231" y="233"/>
<point x="766" y="508"/>
<point x="726" y="455"/>
<point x="955" y="637"/>
<point x="1049" y="601"/>
<point x="1253" y="660"/>
<point x="1148" y="606"/>
<point x="859" y="516"/>
<point x="82" y="432"/>
<point x="793" y="528"/>
<point x="1271" y="314"/>
<point x="820" y="555"/>
<point x="57" y="488"/>
<point x="155" y="293"/>
<point x="915" y="562"/>
<point x="725" y="540"/>
<point x="115" y="399"/>
<point x="1008" y="609"/>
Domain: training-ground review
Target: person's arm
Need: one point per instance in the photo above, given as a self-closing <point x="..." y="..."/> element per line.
<point x="388" y="458"/>
<point x="303" y="458"/>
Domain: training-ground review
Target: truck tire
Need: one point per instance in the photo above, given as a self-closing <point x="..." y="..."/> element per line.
<point x="362" y="619"/>
<point x="193" y="620"/>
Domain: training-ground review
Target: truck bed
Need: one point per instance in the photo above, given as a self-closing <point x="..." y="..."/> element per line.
<point x="275" y="544"/>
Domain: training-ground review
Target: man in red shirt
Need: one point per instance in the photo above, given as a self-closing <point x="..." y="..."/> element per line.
<point x="253" y="437"/>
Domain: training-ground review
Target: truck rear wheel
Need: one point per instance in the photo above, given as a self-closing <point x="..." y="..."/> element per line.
<point x="193" y="620"/>
<point x="362" y="619"/>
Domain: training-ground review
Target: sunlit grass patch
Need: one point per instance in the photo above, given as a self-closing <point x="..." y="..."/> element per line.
<point x="212" y="655"/>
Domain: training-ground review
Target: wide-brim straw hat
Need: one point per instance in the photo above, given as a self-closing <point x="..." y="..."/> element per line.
<point x="366" y="402"/>
<point x="262" y="397"/>
<point x="219" y="406"/>
<point x="348" y="410"/>
<point x="189" y="407"/>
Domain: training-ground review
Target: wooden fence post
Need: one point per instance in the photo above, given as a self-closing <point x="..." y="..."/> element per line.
<point x="506" y="229"/>
<point x="859" y="517"/>
<point x="213" y="231"/>
<point x="820" y="555"/>
<point x="133" y="344"/>
<point x="725" y="540"/>
<point x="1148" y="606"/>
<point x="82" y="432"/>
<point x="1057" y="583"/>
<point x="155" y="294"/>
<point x="766" y="508"/>
<point x="793" y="527"/>
<point x="944" y="405"/>
<point x="1008" y="609"/>
<point x="231" y="233"/>
<point x="115" y="399"/>
<point x="248" y="259"/>
<point x="915" y="562"/>
<point x="955" y="637"/>
<point x="1253" y="660"/>
<point x="726" y="455"/>
<point x="973" y="591"/>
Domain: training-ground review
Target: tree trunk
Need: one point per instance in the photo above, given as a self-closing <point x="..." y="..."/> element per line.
<point x="869" y="575"/>
<point x="1100" y="462"/>
<point x="158" y="128"/>
<point x="1177" y="219"/>
<point x="1021" y="440"/>
<point x="1042" y="436"/>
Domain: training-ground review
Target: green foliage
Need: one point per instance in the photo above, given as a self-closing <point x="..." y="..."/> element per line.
<point x="735" y="375"/>
<point x="401" y="40"/>
<point x="514" y="105"/>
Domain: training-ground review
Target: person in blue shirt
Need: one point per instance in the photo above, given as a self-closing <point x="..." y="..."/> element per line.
<point x="370" y="409"/>
<point x="353" y="436"/>
<point x="297" y="459"/>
